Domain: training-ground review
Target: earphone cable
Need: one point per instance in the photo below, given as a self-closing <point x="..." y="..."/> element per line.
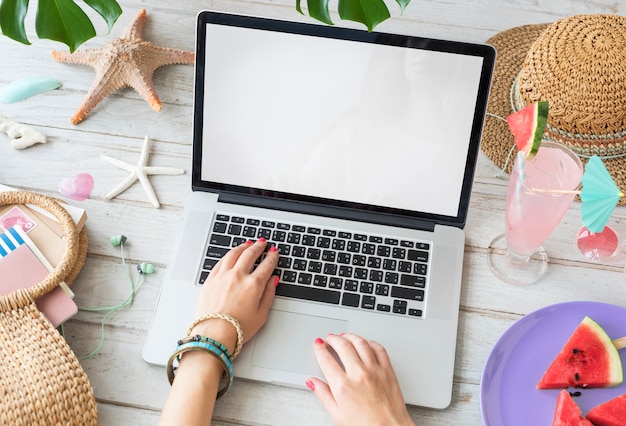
<point x="134" y="287"/>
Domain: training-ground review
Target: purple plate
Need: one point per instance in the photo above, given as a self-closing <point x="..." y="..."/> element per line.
<point x="508" y="393"/>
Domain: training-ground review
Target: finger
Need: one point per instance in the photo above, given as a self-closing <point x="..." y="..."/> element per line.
<point x="267" y="298"/>
<point x="230" y="258"/>
<point x="215" y="269"/>
<point x="323" y="394"/>
<point x="382" y="357"/>
<point x="329" y="365"/>
<point x="345" y="351"/>
<point x="267" y="265"/>
<point x="363" y="348"/>
<point x="247" y="259"/>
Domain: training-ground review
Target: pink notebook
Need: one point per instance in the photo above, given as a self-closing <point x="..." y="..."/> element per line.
<point x="22" y="269"/>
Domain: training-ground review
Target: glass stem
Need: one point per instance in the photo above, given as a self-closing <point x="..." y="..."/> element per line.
<point x="517" y="258"/>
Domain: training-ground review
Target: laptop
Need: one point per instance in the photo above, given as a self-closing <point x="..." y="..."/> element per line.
<point x="354" y="153"/>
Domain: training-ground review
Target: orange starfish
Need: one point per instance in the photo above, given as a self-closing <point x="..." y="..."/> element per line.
<point x="128" y="61"/>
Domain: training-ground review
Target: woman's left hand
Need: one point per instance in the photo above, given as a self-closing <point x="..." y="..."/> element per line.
<point x="234" y="288"/>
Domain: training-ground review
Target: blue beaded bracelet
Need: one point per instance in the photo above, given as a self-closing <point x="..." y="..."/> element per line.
<point x="217" y="350"/>
<point x="199" y="338"/>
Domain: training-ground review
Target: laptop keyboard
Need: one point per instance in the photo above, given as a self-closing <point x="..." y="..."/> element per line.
<point x="327" y="265"/>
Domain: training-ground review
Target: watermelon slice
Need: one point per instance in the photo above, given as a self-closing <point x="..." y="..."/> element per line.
<point x="589" y="359"/>
<point x="610" y="413"/>
<point x="528" y="125"/>
<point x="567" y="412"/>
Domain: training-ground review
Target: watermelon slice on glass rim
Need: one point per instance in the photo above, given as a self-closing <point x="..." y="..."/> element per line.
<point x="589" y="359"/>
<point x="528" y="126"/>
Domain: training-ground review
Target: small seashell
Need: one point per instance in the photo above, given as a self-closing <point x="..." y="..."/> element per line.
<point x="22" y="136"/>
<point x="78" y="187"/>
<point x="26" y="87"/>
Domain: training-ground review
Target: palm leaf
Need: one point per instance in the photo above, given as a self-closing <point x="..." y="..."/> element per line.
<point x="58" y="20"/>
<point x="12" y="15"/>
<point x="63" y="21"/>
<point x="368" y="12"/>
<point x="110" y="10"/>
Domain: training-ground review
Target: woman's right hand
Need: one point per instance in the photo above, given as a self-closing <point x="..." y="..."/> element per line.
<point x="365" y="390"/>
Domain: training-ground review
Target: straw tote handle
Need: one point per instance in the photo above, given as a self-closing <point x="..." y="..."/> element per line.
<point x="70" y="237"/>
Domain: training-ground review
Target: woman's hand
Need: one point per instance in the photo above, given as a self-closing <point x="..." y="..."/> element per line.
<point x="233" y="288"/>
<point x="365" y="390"/>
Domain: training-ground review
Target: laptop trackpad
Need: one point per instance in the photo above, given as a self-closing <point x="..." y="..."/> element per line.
<point x="286" y="341"/>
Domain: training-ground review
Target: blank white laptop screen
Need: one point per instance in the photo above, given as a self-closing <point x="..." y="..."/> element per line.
<point x="364" y="123"/>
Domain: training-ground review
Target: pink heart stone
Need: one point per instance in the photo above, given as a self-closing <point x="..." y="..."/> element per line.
<point x="78" y="187"/>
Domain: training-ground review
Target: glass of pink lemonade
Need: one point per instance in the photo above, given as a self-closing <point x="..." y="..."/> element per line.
<point x="541" y="190"/>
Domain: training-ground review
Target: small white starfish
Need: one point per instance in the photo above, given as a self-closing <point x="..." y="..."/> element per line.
<point x="141" y="171"/>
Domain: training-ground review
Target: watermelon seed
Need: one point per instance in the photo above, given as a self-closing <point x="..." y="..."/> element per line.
<point x="575" y="350"/>
<point x="577" y="393"/>
<point x="576" y="376"/>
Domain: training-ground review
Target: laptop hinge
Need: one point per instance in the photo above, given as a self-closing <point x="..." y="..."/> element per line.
<point x="327" y="211"/>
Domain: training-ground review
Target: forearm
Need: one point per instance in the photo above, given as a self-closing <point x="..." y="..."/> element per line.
<point x="192" y="398"/>
<point x="234" y="303"/>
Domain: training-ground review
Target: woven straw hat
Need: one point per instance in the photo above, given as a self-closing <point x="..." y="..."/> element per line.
<point x="578" y="64"/>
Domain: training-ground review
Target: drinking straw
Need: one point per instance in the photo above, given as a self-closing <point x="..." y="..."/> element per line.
<point x="521" y="174"/>
<point x="521" y="177"/>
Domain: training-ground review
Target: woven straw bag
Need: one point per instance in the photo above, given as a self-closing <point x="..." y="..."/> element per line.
<point x="41" y="380"/>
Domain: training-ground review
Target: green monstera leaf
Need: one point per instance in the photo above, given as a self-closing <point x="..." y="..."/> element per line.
<point x="367" y="12"/>
<point x="59" y="20"/>
<point x="66" y="22"/>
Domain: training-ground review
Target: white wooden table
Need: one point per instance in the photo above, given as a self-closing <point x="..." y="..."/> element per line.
<point x="128" y="390"/>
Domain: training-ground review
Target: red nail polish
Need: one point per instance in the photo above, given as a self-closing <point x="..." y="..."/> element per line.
<point x="261" y="240"/>
<point x="310" y="384"/>
<point x="249" y="242"/>
<point x="276" y="281"/>
<point x="273" y="248"/>
<point x="318" y="341"/>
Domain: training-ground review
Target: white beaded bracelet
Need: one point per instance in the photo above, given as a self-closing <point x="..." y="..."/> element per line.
<point x="225" y="317"/>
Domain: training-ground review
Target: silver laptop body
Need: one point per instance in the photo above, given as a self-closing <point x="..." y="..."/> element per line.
<point x="340" y="132"/>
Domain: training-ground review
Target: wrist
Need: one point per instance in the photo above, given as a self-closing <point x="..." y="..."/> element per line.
<point x="204" y="371"/>
<point x="219" y="330"/>
<point x="200" y="371"/>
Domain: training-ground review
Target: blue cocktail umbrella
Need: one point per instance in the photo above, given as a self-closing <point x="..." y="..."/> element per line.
<point x="599" y="195"/>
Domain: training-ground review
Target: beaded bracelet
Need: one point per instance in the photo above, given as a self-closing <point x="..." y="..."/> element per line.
<point x="202" y="346"/>
<point x="198" y="338"/>
<point x="225" y="317"/>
